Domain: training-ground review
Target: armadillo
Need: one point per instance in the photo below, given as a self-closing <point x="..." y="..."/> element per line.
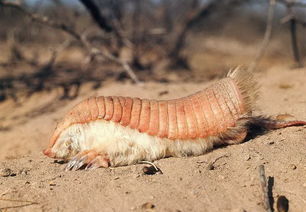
<point x="116" y="131"/>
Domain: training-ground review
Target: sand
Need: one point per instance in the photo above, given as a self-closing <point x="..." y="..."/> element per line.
<point x="225" y="179"/>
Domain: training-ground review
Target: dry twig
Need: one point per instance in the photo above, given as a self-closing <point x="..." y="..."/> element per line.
<point x="294" y="43"/>
<point x="150" y="163"/>
<point x="293" y="21"/>
<point x="70" y="31"/>
<point x="264" y="187"/>
<point x="153" y="165"/>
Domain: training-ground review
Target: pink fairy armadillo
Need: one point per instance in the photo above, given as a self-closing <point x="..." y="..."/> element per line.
<point x="114" y="131"/>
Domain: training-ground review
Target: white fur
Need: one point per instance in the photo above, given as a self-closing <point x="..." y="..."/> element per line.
<point x="124" y="145"/>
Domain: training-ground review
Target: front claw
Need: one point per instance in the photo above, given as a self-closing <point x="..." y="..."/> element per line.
<point x="99" y="161"/>
<point x="90" y="158"/>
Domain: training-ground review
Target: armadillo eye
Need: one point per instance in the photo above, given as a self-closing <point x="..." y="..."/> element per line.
<point x="69" y="148"/>
<point x="68" y="143"/>
<point x="78" y="131"/>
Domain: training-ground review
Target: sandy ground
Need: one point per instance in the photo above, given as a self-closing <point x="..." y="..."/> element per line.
<point x="225" y="179"/>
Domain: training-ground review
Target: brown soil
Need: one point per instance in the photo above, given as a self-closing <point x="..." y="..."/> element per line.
<point x="225" y="179"/>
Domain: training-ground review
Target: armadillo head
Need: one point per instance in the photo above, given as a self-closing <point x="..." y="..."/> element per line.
<point x="64" y="142"/>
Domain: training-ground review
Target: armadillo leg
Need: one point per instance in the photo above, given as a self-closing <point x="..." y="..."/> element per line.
<point x="90" y="158"/>
<point x="98" y="161"/>
<point x="238" y="138"/>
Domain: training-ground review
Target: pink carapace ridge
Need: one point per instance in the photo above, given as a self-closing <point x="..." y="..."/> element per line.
<point x="209" y="112"/>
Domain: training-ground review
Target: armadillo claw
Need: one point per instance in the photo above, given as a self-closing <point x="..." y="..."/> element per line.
<point x="90" y="158"/>
<point x="90" y="166"/>
<point x="70" y="164"/>
<point x="79" y="163"/>
<point x="76" y="162"/>
<point x="99" y="161"/>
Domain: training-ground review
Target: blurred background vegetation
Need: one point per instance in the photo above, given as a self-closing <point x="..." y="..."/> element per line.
<point x="62" y="44"/>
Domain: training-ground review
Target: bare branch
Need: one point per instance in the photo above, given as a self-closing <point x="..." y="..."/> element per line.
<point x="56" y="51"/>
<point x="104" y="24"/>
<point x="124" y="64"/>
<point x="293" y="21"/>
<point x="294" y="43"/>
<point x="70" y="31"/>
<point x="289" y="17"/>
<point x="193" y="18"/>
<point x="97" y="16"/>
<point x="111" y="57"/>
<point x="267" y="36"/>
<point x="42" y="19"/>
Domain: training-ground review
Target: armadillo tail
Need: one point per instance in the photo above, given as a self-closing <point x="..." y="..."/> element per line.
<point x="283" y="124"/>
<point x="270" y="123"/>
<point x="247" y="86"/>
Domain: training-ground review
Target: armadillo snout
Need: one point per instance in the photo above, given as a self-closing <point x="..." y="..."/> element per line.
<point x="49" y="153"/>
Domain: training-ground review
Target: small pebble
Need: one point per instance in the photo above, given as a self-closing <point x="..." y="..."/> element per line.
<point x="292" y="166"/>
<point x="23" y="172"/>
<point x="221" y="177"/>
<point x="247" y="157"/>
<point x="210" y="166"/>
<point x="150" y="170"/>
<point x="7" y="172"/>
<point x="270" y="142"/>
<point x="147" y="205"/>
<point x="52" y="184"/>
<point x="282" y="204"/>
<point x="238" y="210"/>
<point x="161" y="93"/>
